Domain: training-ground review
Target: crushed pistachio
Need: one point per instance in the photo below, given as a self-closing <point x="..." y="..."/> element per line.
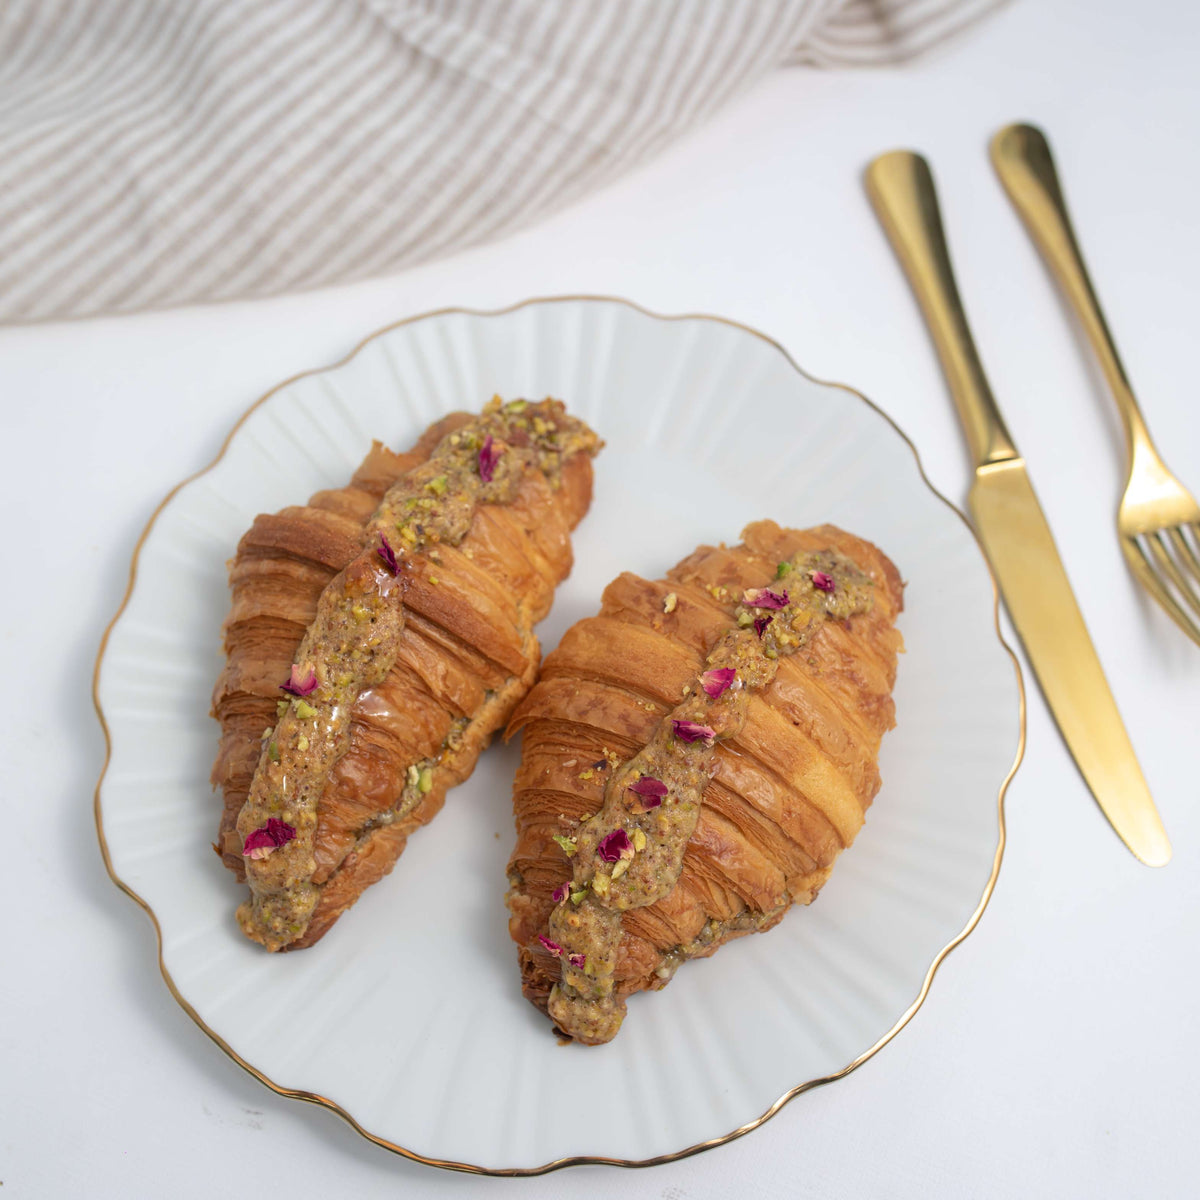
<point x="425" y="780"/>
<point x="302" y="743"/>
<point x="639" y="840"/>
<point x="566" y="845"/>
<point x="438" y="485"/>
<point x="669" y="602"/>
<point x="304" y="710"/>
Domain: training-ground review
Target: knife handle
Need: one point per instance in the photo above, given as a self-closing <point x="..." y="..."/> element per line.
<point x="1022" y="158"/>
<point x="901" y="189"/>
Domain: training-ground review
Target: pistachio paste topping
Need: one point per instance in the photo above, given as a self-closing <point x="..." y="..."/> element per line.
<point x="630" y="853"/>
<point x="353" y="641"/>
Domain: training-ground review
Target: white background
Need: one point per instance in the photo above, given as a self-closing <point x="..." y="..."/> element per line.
<point x="1057" y="1054"/>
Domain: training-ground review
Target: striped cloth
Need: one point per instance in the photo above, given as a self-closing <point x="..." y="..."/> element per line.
<point x="161" y="152"/>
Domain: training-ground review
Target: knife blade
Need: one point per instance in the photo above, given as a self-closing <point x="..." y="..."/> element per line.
<point x="1010" y="522"/>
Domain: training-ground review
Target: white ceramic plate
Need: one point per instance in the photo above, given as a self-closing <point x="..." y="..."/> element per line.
<point x="408" y="1018"/>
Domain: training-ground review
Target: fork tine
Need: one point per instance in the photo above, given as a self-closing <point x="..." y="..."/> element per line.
<point x="1167" y="565"/>
<point x="1191" y="564"/>
<point x="1152" y="581"/>
<point x="1190" y="544"/>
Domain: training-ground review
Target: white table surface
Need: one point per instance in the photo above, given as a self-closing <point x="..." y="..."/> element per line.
<point x="1057" y="1054"/>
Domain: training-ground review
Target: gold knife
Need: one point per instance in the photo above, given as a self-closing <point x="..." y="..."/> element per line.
<point x="1010" y="522"/>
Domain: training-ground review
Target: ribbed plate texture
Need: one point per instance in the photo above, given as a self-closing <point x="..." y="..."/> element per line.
<point x="409" y="1014"/>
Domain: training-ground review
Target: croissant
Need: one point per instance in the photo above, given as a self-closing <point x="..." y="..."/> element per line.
<point x="378" y="636"/>
<point x="694" y="760"/>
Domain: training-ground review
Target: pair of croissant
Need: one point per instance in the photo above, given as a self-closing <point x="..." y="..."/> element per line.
<point x="694" y="758"/>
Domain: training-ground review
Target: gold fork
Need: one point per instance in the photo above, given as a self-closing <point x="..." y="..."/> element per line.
<point x="1158" y="521"/>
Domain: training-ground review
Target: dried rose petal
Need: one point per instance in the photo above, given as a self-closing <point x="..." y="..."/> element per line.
<point x="765" y="598"/>
<point x="488" y="457"/>
<point x="716" y="681"/>
<point x="614" y="846"/>
<point x="553" y="947"/>
<point x="268" y="838"/>
<point x="579" y="961"/>
<point x="560" y="893"/>
<point x="650" y="790"/>
<point x="761" y="623"/>
<point x="647" y="785"/>
<point x="822" y="582"/>
<point x="689" y="731"/>
<point x="388" y="555"/>
<point x="300" y="685"/>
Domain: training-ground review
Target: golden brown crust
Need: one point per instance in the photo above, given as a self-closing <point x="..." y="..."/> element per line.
<point x="790" y="790"/>
<point x="467" y="654"/>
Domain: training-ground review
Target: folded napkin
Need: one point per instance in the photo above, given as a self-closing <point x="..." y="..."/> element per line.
<point x="161" y="152"/>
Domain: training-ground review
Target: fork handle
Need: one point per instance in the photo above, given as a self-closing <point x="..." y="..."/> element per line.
<point x="1021" y="156"/>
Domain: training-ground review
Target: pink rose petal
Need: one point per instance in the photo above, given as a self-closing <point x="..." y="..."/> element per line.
<point x="822" y="582"/>
<point x="649" y="786"/>
<point x="716" y="681"/>
<point x="267" y="839"/>
<point x="388" y="555"/>
<point x="765" y="598"/>
<point x="614" y="846"/>
<point x="761" y="623"/>
<point x="579" y="961"/>
<point x="300" y="685"/>
<point x="488" y="457"/>
<point x="560" y="893"/>
<point x="553" y="947"/>
<point x="650" y="791"/>
<point x="689" y="731"/>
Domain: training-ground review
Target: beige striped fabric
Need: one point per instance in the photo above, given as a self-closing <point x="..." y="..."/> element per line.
<point x="162" y="152"/>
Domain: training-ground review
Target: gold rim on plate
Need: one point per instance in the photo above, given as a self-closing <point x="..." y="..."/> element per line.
<point x="573" y="1160"/>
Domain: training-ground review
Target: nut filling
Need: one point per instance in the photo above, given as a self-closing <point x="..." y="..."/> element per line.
<point x="630" y="853"/>
<point x="353" y="641"/>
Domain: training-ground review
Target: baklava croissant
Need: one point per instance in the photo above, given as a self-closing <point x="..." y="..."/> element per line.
<point x="694" y="759"/>
<point x="377" y="639"/>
